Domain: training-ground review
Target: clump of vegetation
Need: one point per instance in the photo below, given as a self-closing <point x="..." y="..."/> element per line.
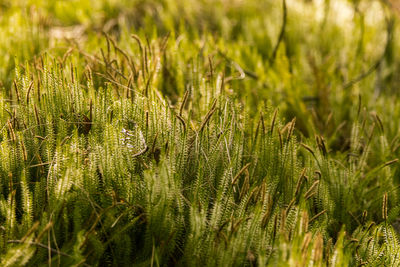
<point x="199" y="133"/>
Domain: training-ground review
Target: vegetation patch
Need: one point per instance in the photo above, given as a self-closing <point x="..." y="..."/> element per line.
<point x="199" y="133"/>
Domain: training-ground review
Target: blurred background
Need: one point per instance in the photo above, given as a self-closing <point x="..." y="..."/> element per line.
<point x="314" y="59"/>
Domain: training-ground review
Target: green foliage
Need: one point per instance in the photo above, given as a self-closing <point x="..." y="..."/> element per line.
<point x="199" y="133"/>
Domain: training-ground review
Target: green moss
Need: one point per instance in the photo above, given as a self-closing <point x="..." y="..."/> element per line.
<point x="199" y="133"/>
